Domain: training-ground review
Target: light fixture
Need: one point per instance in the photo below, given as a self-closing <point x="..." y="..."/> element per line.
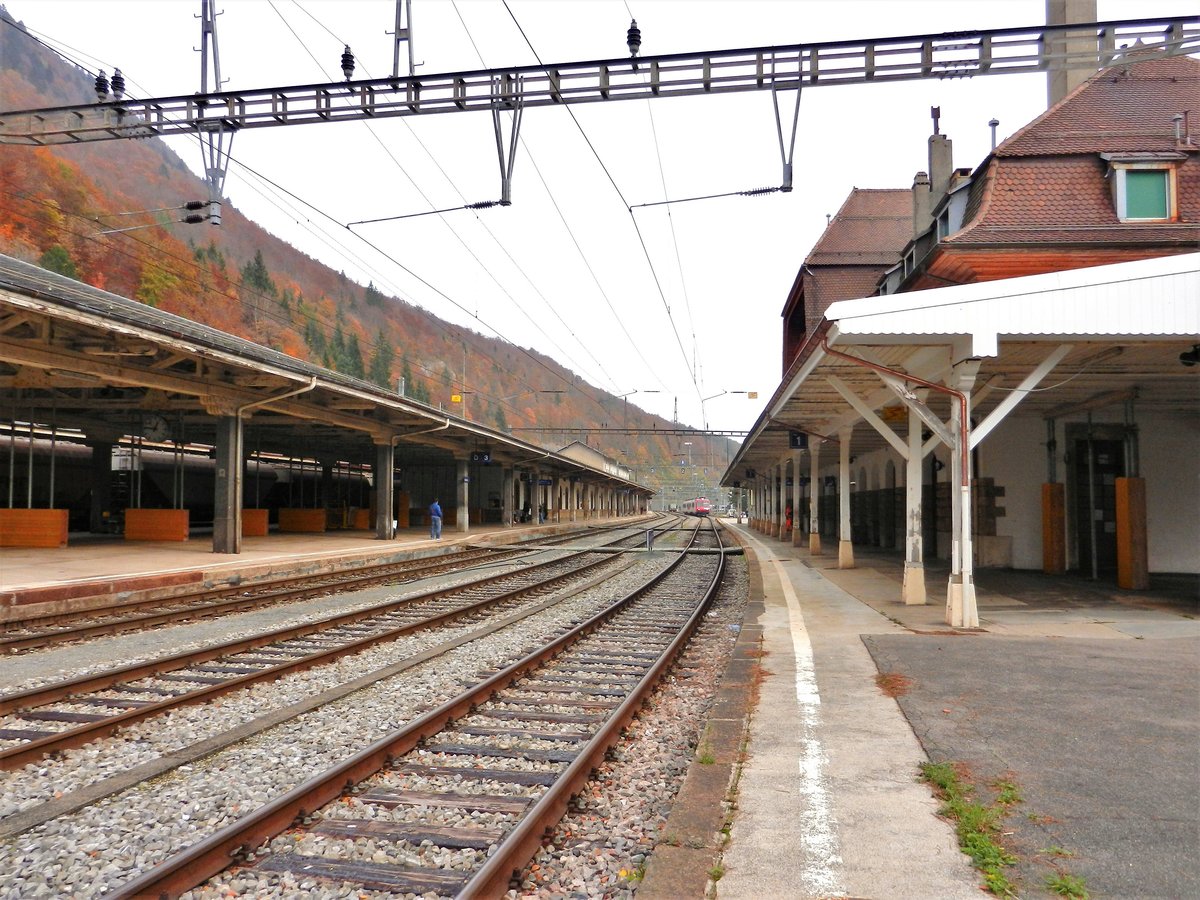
<point x="1190" y="357"/>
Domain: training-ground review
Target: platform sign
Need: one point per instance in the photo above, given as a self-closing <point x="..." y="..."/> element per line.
<point x="545" y="482"/>
<point x="481" y="456"/>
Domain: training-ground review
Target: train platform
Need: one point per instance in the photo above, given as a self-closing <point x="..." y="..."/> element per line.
<point x="1082" y="696"/>
<point x="92" y="569"/>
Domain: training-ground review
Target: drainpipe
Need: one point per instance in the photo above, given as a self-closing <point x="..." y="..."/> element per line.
<point x="965" y="562"/>
<point x="396" y="437"/>
<point x="312" y="383"/>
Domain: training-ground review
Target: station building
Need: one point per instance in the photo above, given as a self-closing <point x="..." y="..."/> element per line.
<point x="998" y="367"/>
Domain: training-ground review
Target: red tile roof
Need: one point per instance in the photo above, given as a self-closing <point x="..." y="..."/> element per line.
<point x="1127" y="107"/>
<point x="870" y="229"/>
<point x="1047" y="183"/>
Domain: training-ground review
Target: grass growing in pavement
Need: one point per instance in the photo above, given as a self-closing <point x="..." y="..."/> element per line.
<point x="978" y="827"/>
<point x="976" y="824"/>
<point x="1067" y="885"/>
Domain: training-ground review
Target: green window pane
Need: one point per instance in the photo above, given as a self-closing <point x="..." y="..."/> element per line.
<point x="1145" y="194"/>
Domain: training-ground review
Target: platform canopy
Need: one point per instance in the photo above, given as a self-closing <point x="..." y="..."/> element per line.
<point x="1052" y="344"/>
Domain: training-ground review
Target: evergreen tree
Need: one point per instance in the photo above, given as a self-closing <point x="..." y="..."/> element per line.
<point x="256" y="277"/>
<point x="57" y="259"/>
<point x="373" y="296"/>
<point x="380" y="369"/>
<point x="352" y="361"/>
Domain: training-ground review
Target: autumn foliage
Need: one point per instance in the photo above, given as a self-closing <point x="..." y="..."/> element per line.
<point x="57" y="203"/>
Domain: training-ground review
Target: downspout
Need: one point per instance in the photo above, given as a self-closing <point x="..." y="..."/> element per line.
<point x="964" y="476"/>
<point x="965" y="561"/>
<point x="396" y="437"/>
<point x="312" y="383"/>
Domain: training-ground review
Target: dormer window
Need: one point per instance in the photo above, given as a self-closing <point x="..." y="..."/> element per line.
<point x="1144" y="186"/>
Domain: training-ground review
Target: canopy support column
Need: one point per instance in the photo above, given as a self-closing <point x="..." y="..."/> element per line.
<point x="814" y="498"/>
<point x="797" y="497"/>
<point x="463" y="515"/>
<point x="845" y="542"/>
<point x="385" y="513"/>
<point x="914" y="547"/>
<point x="227" y="495"/>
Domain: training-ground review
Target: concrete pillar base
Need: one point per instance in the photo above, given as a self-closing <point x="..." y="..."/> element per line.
<point x="799" y="539"/>
<point x="845" y="555"/>
<point x="913" y="591"/>
<point x="814" y="543"/>
<point x="961" y="608"/>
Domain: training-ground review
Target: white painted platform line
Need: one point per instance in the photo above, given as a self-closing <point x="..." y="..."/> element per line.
<point x="820" y="874"/>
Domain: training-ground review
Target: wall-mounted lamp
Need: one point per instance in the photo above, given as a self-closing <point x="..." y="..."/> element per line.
<point x="1190" y="357"/>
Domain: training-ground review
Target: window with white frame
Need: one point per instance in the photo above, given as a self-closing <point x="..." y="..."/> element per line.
<point x="1144" y="190"/>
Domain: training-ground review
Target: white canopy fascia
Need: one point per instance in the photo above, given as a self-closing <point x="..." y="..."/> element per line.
<point x="1141" y="300"/>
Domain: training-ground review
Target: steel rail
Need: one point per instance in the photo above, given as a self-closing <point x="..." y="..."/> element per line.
<point x="77" y="736"/>
<point x="397" y="567"/>
<point x="521" y="844"/>
<point x="264" y="594"/>
<point x="100" y="680"/>
<point x="213" y="854"/>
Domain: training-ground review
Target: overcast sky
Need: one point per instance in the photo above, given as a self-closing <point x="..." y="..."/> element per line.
<point x="563" y="269"/>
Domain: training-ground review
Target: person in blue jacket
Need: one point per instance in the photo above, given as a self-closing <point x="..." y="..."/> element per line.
<point x="435" y="520"/>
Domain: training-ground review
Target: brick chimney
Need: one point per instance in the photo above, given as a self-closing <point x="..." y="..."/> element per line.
<point x="922" y="203"/>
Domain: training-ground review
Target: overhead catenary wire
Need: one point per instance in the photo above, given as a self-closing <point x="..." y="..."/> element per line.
<point x="641" y="238"/>
<point x="458" y="237"/>
<point x="553" y="201"/>
<point x="438" y="323"/>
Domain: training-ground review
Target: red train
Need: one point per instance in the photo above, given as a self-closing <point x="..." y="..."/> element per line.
<point x="698" y="507"/>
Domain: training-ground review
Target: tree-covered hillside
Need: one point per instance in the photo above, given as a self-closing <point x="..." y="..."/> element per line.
<point x="55" y="202"/>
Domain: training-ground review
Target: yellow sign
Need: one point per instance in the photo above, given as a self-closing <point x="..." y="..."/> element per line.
<point x="456" y="398"/>
<point x="751" y="395"/>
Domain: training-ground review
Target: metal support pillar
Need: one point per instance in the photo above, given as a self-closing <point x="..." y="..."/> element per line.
<point x="913" y="590"/>
<point x="463" y="516"/>
<point x="101" y="500"/>
<point x="227" y="494"/>
<point x="385" y="480"/>
<point x="845" y="538"/>
<point x="962" y="611"/>
<point x="506" y="497"/>
<point x="814" y="498"/>
<point x="797" y="498"/>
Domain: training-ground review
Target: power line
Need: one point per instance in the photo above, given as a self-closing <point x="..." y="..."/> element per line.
<point x="451" y="228"/>
<point x="625" y="203"/>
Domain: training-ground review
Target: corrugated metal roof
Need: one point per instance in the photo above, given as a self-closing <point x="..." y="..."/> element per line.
<point x="1126" y="325"/>
<point x="1142" y="298"/>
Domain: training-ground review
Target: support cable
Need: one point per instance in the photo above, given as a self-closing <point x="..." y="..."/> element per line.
<point x="612" y="181"/>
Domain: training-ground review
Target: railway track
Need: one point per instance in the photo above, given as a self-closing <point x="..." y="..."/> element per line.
<point x="71" y="713"/>
<point x="60" y="628"/>
<point x="461" y="796"/>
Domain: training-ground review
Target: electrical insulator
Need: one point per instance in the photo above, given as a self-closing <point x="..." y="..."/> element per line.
<point x="102" y="86"/>
<point x="348" y="63"/>
<point x="193" y="219"/>
<point x="634" y="38"/>
<point x="118" y="84"/>
<point x="195" y="204"/>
